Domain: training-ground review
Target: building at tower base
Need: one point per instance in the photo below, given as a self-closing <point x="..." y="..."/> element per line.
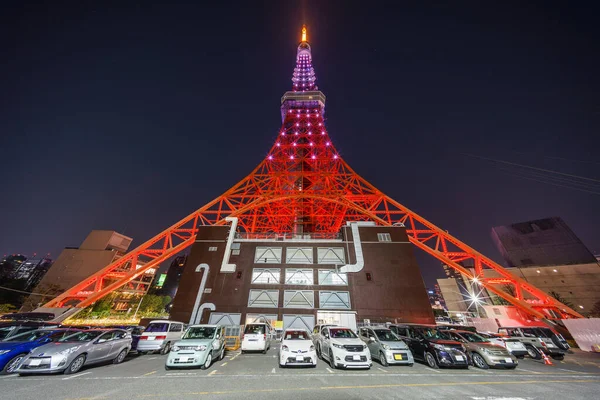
<point x="368" y="272"/>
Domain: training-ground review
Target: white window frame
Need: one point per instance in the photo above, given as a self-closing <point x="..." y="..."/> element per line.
<point x="269" y="296"/>
<point x="307" y="295"/>
<point x="331" y="255"/>
<point x="296" y="272"/>
<point x="323" y="274"/>
<point x="384" y="237"/>
<point x="266" y="276"/>
<point x="299" y="255"/>
<point x="268" y="255"/>
<point x="326" y="295"/>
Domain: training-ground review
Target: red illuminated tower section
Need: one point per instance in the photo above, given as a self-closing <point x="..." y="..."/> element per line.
<point x="304" y="187"/>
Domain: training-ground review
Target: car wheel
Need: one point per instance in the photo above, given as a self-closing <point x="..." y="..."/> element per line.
<point x="12" y="365"/>
<point x="265" y="351"/>
<point x="75" y="365"/>
<point x="533" y="352"/>
<point x="166" y="348"/>
<point x="119" y="359"/>
<point x="207" y="362"/>
<point x="558" y="357"/>
<point x="331" y="360"/>
<point x="520" y="357"/>
<point x="382" y="359"/>
<point x="479" y="361"/>
<point x="430" y="359"/>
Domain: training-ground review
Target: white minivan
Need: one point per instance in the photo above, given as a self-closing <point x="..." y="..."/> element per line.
<point x="257" y="337"/>
<point x="160" y="336"/>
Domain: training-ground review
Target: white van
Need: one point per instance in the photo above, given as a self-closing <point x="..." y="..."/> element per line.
<point x="160" y="336"/>
<point x="256" y="337"/>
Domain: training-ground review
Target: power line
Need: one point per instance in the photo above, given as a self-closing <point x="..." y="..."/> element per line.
<point x="24" y="292"/>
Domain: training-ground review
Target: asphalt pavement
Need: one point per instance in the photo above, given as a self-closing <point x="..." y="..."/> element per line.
<point x="258" y="376"/>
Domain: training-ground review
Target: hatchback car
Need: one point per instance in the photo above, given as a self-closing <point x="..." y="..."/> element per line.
<point x="159" y="335"/>
<point x="343" y="349"/>
<point x="484" y="354"/>
<point x="15" y="348"/>
<point x="430" y="345"/>
<point x="71" y="353"/>
<point x="199" y="346"/>
<point x="514" y="346"/>
<point x="297" y="348"/>
<point x="386" y="347"/>
<point x="256" y="337"/>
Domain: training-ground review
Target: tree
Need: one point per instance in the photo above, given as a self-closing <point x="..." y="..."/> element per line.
<point x="153" y="304"/>
<point x="558" y="297"/>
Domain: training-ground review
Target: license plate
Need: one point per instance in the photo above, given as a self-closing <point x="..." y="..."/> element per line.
<point x="253" y="340"/>
<point x="356" y="358"/>
<point x="508" y="360"/>
<point x="151" y="337"/>
<point x="35" y="362"/>
<point x="183" y="359"/>
<point x="460" y="358"/>
<point x="299" y="358"/>
<point x="397" y="356"/>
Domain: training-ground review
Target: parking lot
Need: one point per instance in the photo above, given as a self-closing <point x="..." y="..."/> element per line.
<point x="257" y="376"/>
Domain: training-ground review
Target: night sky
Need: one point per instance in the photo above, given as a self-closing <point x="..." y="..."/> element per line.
<point x="129" y="117"/>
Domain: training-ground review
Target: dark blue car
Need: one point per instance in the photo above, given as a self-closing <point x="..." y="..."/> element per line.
<point x="13" y="349"/>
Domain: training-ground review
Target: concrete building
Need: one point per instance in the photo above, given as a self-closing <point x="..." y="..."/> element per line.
<point x="368" y="272"/>
<point x="453" y="294"/>
<point x="547" y="241"/>
<point x="74" y="264"/>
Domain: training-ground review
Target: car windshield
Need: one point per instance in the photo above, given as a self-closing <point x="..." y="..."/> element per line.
<point x="86" y="336"/>
<point x="255" y="329"/>
<point x="5" y="331"/>
<point x="473" y="337"/>
<point x="28" y="336"/>
<point x="200" y="332"/>
<point x="431" y="333"/>
<point x="158" y="327"/>
<point x="341" y="333"/>
<point x="386" y="335"/>
<point x="295" y="335"/>
<point x="544" y="332"/>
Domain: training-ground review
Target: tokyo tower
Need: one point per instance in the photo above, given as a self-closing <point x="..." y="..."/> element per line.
<point x="304" y="187"/>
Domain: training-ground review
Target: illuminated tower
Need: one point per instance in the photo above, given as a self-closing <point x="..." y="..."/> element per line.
<point x="303" y="187"/>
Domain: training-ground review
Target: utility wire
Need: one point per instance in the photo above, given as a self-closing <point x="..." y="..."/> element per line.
<point x="22" y="291"/>
<point x="554" y="184"/>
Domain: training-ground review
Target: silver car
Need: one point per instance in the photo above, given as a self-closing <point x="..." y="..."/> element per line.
<point x="71" y="353"/>
<point x="386" y="347"/>
<point x="199" y="346"/>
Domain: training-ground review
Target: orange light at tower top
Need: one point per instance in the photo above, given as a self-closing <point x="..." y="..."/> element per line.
<point x="304" y="33"/>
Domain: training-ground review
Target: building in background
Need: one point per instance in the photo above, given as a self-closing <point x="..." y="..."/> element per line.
<point x="75" y="264"/>
<point x="547" y="241"/>
<point x="435" y="298"/>
<point x="32" y="270"/>
<point x="10" y="264"/>
<point x="173" y="276"/>
<point x="453" y="295"/>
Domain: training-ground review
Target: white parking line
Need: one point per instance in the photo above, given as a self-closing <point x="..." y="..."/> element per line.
<point x="273" y="371"/>
<point x="381" y="369"/>
<point x="76" y="376"/>
<point x="152" y="358"/>
<point x="434" y="370"/>
<point x="482" y="370"/>
<point x="213" y="373"/>
<point x="9" y="376"/>
<point x="569" y="370"/>
<point x="528" y="370"/>
<point x="329" y="370"/>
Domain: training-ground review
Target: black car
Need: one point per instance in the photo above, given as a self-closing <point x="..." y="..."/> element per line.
<point x="9" y="329"/>
<point x="432" y="346"/>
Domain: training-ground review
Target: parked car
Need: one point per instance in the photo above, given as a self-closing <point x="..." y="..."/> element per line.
<point x="484" y="354"/>
<point x="297" y="348"/>
<point x="386" y="347"/>
<point x="537" y="340"/>
<point x="13" y="328"/>
<point x="160" y="335"/>
<point x="15" y="348"/>
<point x="317" y="338"/>
<point x="428" y="344"/>
<point x="69" y="354"/>
<point x="515" y="347"/>
<point x="343" y="348"/>
<point x="256" y="337"/>
<point x="135" y="331"/>
<point x="199" y="346"/>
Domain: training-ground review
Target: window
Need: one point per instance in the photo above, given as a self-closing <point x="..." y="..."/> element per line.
<point x="331" y="255"/>
<point x="120" y="335"/>
<point x="266" y="276"/>
<point x="340" y="300"/>
<point x="299" y="255"/>
<point x="268" y="255"/>
<point x="263" y="298"/>
<point x="108" y="336"/>
<point x="175" y="328"/>
<point x="333" y="278"/>
<point x="299" y="299"/>
<point x="213" y="248"/>
<point x="299" y="276"/>
<point x="384" y="237"/>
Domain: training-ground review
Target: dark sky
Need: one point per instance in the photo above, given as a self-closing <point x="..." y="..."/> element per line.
<point x="130" y="116"/>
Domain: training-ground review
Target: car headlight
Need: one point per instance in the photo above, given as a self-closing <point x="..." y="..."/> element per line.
<point x="69" y="350"/>
<point x="4" y="352"/>
<point x="438" y="347"/>
<point x="485" y="350"/>
<point x="385" y="346"/>
<point x="339" y="346"/>
<point x="285" y="348"/>
<point x="200" y="348"/>
<point x="175" y="348"/>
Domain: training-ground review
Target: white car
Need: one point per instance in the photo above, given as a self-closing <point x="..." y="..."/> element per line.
<point x="257" y="337"/>
<point x="297" y="348"/>
<point x="343" y="348"/>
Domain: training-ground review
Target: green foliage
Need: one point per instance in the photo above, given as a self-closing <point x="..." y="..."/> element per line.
<point x="153" y="304"/>
<point x="7" y="308"/>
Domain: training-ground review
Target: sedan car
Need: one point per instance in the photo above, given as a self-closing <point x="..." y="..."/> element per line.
<point x="297" y="348"/>
<point x="71" y="353"/>
<point x="386" y="347"/>
<point x="198" y="347"/>
<point x="484" y="354"/>
<point x="15" y="348"/>
<point x="514" y="346"/>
